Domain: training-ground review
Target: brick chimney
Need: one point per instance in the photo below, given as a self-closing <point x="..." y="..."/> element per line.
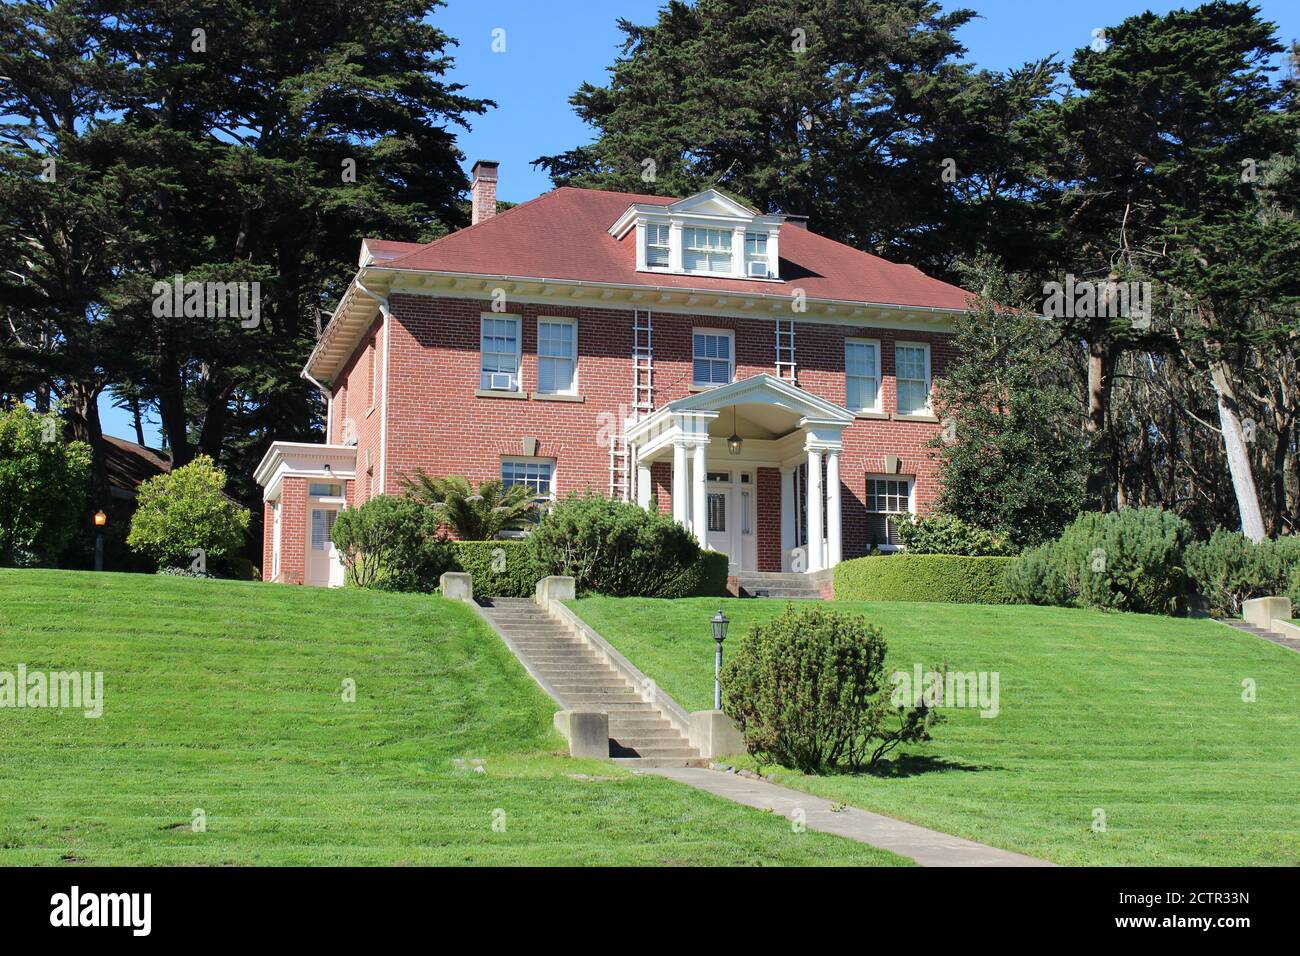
<point x="483" y="191"/>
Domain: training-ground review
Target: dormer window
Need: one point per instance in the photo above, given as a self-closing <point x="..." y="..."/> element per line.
<point x="706" y="250"/>
<point x="707" y="234"/>
<point x="656" y="246"/>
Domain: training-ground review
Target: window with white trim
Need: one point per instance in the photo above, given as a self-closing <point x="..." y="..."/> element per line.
<point x="886" y="500"/>
<point x="713" y="357"/>
<point x="557" y="356"/>
<point x="706" y="250"/>
<point x="755" y="251"/>
<point x="912" y="378"/>
<point x="862" y="375"/>
<point x="656" y="246"/>
<point x="499" y="353"/>
<point x="373" y="376"/>
<point x="537" y="474"/>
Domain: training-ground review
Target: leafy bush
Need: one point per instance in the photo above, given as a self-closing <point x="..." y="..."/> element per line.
<point x="499" y="568"/>
<point x="615" y="548"/>
<point x="1127" y="560"/>
<point x="707" y="577"/>
<point x="1229" y="568"/>
<point x="923" y="577"/>
<point x="947" y="534"/>
<point x="392" y="544"/>
<point x="474" y="515"/>
<point x="186" y="511"/>
<point x="43" y="484"/>
<point x="808" y="689"/>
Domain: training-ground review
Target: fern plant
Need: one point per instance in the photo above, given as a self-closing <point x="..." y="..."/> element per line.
<point x="473" y="514"/>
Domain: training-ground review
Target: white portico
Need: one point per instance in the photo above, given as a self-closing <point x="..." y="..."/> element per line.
<point x="718" y="440"/>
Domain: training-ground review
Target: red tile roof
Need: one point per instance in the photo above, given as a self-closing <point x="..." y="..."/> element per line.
<point x="564" y="234"/>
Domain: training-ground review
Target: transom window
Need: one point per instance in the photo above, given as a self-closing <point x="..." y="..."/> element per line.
<point x="706" y="250"/>
<point x="535" y="473"/>
<point x="557" y="356"/>
<point x="499" y="353"/>
<point x="656" y="246"/>
<point x="887" y="498"/>
<point x="912" y="374"/>
<point x="862" y="375"/>
<point x="325" y="490"/>
<point x="713" y="360"/>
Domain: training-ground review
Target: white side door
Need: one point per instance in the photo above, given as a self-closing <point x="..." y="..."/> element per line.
<point x="324" y="569"/>
<point x="721" y="521"/>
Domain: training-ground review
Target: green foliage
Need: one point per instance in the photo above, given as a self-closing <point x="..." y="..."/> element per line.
<point x="474" y="515"/>
<point x="1127" y="560"/>
<point x="184" y="511"/>
<point x="43" y="483"/>
<point x="392" y="544"/>
<point x="1012" y="457"/>
<point x="923" y="577"/>
<point x="948" y="534"/>
<point x="613" y="547"/>
<point x="499" y="568"/>
<point x="706" y="577"/>
<point x="808" y="689"/>
<point x="1229" y="569"/>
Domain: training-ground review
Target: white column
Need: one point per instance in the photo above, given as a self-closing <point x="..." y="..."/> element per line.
<point x="644" y="484"/>
<point x="834" y="541"/>
<point x="816" y="543"/>
<point x="680" y="504"/>
<point x="787" y="514"/>
<point x="699" y="492"/>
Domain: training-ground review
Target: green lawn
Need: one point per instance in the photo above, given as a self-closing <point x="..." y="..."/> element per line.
<point x="1140" y="717"/>
<point x="227" y="697"/>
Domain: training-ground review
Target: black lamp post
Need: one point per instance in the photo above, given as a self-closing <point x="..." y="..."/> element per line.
<point x="720" y="623"/>
<point x="101" y="519"/>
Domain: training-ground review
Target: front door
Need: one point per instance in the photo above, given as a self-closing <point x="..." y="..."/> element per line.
<point x="720" y="525"/>
<point x="730" y="503"/>
<point x="324" y="569"/>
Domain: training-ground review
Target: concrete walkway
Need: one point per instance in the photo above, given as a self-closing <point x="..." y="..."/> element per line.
<point x="926" y="847"/>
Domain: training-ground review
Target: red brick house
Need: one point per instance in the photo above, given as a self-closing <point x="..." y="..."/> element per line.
<point x="768" y="387"/>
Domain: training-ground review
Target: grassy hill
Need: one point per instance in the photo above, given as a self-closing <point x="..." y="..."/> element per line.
<point x="227" y="698"/>
<point x="1139" y="717"/>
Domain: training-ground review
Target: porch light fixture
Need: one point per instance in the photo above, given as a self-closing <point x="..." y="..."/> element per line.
<point x="101" y="519"/>
<point x="735" y="442"/>
<point x="719" y="623"/>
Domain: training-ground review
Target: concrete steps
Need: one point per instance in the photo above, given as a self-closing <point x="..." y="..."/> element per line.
<point x="639" y="734"/>
<point x="782" y="585"/>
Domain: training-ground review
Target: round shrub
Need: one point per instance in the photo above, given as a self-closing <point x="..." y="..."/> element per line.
<point x="808" y="689"/>
<point x="923" y="577"/>
<point x="947" y="534"/>
<point x="392" y="544"/>
<point x="615" y="548"/>
<point x="184" y="517"/>
<point x="1126" y="560"/>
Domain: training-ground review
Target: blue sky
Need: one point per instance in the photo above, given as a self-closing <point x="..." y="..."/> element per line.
<point x="547" y="56"/>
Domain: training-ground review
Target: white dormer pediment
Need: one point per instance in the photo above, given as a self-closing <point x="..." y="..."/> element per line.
<point x="706" y="234"/>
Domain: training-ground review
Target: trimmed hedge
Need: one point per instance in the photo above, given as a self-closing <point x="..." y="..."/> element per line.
<point x="707" y="577"/>
<point x="499" y="568"/>
<point x="923" y="577"/>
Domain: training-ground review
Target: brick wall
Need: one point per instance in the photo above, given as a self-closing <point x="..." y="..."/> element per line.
<point x="293" y="533"/>
<point x="768" y="519"/>
<point x="436" y="422"/>
<point x="352" y="400"/>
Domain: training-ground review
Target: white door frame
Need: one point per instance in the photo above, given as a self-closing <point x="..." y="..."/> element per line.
<point x="334" y="566"/>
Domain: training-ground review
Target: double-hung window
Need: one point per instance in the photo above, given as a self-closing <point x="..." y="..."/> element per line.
<point x="755" y="253"/>
<point x="912" y="376"/>
<point x="887" y="499"/>
<point x="537" y="474"/>
<point x="706" y="250"/>
<point x="656" y="246"/>
<point x="862" y="375"/>
<point x="499" y="353"/>
<point x="713" y="357"/>
<point x="557" y="356"/>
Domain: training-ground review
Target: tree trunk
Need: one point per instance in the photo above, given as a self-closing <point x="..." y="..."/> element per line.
<point x="1101" y="368"/>
<point x="82" y="403"/>
<point x="1238" y="454"/>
